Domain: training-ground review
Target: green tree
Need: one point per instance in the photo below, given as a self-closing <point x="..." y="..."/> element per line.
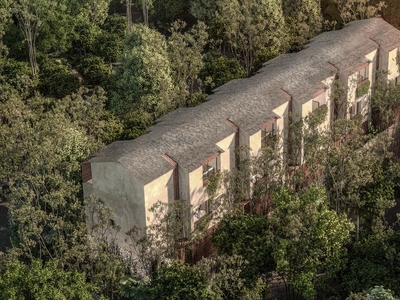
<point x="253" y="29"/>
<point x="147" y="5"/>
<point x="94" y="70"/>
<point x="57" y="30"/>
<point x="351" y="10"/>
<point x="309" y="239"/>
<point x="18" y="75"/>
<point x="374" y="261"/>
<point x="5" y="18"/>
<point x="108" y="46"/>
<point x="160" y="240"/>
<point x="168" y="12"/>
<point x="86" y="36"/>
<point x="376" y="293"/>
<point x="105" y="265"/>
<point x="94" y="11"/>
<point x="144" y="85"/>
<point x="43" y="142"/>
<point x="252" y="242"/>
<point x="133" y="287"/>
<point x="219" y="69"/>
<point x="203" y="10"/>
<point x="384" y="101"/>
<point x="185" y="56"/>
<point x="38" y="281"/>
<point x="305" y="20"/>
<point x="359" y="179"/>
<point x="251" y="183"/>
<point x="175" y="280"/>
<point x="15" y="44"/>
<point x="30" y="18"/>
<point x="110" y="43"/>
<point x="56" y="79"/>
<point x="225" y="280"/>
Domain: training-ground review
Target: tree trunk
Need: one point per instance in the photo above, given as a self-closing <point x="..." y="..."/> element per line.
<point x="129" y="13"/>
<point x="30" y="39"/>
<point x="145" y="8"/>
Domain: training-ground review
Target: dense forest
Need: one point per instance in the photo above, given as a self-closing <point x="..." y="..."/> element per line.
<point x="76" y="75"/>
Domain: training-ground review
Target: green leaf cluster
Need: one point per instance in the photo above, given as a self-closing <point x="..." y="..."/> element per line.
<point x="253" y="242"/>
<point x="143" y="82"/>
<point x="220" y="70"/>
<point x="363" y="89"/>
<point x="374" y="261"/>
<point x="41" y="281"/>
<point x="175" y="281"/>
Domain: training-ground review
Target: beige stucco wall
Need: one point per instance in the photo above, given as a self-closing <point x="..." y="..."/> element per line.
<point x="282" y="125"/>
<point x="352" y="82"/>
<point x="255" y="143"/>
<point x="306" y="108"/>
<point x="161" y="189"/>
<point x="198" y="192"/>
<point x="228" y="156"/>
<point x="351" y="88"/>
<point x="243" y="138"/>
<point x="254" y="140"/>
<point x="328" y="92"/>
<point x="121" y="192"/>
<point x="373" y="58"/>
<point x="392" y="64"/>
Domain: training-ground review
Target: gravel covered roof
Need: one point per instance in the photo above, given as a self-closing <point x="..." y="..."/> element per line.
<point x="189" y="135"/>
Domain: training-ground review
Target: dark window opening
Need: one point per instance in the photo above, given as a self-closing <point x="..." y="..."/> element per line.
<point x="211" y="167"/>
<point x="362" y="75"/>
<point x="268" y="133"/>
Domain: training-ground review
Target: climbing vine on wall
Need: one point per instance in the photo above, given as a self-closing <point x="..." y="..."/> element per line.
<point x="213" y="185"/>
<point x="363" y="88"/>
<point x="318" y="116"/>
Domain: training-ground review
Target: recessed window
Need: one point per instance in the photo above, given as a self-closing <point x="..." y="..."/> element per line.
<point x="355" y="109"/>
<point x="211" y="167"/>
<point x="362" y="74"/>
<point x="268" y="133"/>
<point x="203" y="209"/>
<point x="358" y="107"/>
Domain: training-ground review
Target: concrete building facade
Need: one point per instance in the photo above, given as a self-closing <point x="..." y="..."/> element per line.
<point x="174" y="158"/>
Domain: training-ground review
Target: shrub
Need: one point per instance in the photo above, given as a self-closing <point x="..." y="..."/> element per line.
<point x="221" y="70"/>
<point x="56" y="78"/>
<point x="94" y="70"/>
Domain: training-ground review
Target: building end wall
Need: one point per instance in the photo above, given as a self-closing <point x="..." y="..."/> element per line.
<point x="122" y="193"/>
<point x="160" y="189"/>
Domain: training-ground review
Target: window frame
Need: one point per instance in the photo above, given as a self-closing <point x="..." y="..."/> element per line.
<point x="210" y="169"/>
<point x="268" y="132"/>
<point x="355" y="109"/>
<point x="358" y="107"/>
<point x="363" y="77"/>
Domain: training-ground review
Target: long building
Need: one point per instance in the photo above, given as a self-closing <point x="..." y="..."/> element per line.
<point x="174" y="158"/>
